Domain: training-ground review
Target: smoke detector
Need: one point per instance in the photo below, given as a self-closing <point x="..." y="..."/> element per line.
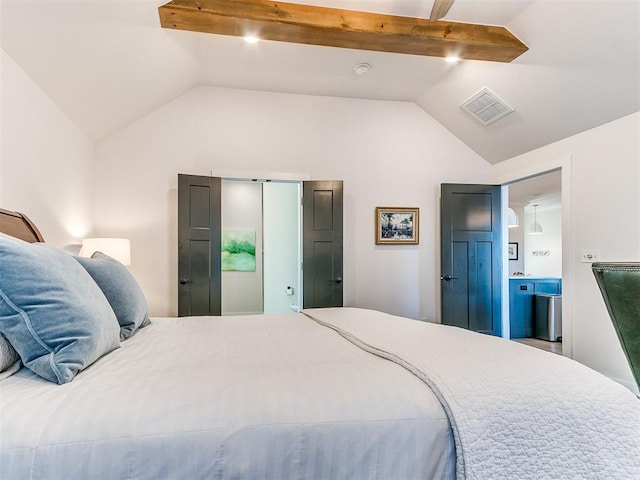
<point x="486" y="107"/>
<point x="362" y="68"/>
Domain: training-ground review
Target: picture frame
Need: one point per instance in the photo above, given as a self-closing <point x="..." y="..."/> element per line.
<point x="238" y="251"/>
<point x="397" y="225"/>
<point x="513" y="250"/>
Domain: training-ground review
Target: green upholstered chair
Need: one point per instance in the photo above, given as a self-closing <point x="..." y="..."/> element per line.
<point x="620" y="287"/>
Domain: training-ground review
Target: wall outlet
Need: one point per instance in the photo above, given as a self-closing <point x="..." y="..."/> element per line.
<point x="589" y="256"/>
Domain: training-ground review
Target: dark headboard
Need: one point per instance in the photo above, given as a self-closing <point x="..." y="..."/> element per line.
<point x="19" y="226"/>
<point x="620" y="287"/>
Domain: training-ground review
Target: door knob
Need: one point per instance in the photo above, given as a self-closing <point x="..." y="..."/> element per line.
<point x="446" y="278"/>
<point x="338" y="280"/>
<point x="183" y="281"/>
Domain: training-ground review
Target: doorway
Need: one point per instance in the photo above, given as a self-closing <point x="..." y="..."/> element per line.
<point x="537" y="200"/>
<point x="260" y="221"/>
<point x="535" y="264"/>
<point x="545" y="187"/>
<point x="318" y="240"/>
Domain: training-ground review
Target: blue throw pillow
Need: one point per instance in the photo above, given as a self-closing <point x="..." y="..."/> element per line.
<point x="121" y="289"/>
<point x="9" y="359"/>
<point x="51" y="310"/>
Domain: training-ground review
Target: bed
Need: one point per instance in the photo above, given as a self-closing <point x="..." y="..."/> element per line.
<point x="322" y="394"/>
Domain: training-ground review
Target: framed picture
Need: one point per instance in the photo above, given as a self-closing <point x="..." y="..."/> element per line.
<point x="397" y="225"/>
<point x="238" y="251"/>
<point x="513" y="250"/>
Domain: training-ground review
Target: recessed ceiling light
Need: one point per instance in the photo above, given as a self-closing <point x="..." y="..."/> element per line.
<point x="251" y="39"/>
<point x="451" y="59"/>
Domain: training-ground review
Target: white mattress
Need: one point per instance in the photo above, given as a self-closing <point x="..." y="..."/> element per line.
<point x="271" y="397"/>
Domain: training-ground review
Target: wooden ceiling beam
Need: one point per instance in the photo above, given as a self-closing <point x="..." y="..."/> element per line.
<point x="332" y="27"/>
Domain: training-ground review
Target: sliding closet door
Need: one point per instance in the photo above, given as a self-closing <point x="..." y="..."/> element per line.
<point x="322" y="244"/>
<point x="199" y="275"/>
<point x="242" y="231"/>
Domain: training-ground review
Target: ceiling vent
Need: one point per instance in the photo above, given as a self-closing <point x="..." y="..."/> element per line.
<point x="486" y="107"/>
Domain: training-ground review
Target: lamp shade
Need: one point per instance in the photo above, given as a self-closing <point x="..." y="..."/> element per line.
<point x="536" y="228"/>
<point x="514" y="221"/>
<point x="118" y="248"/>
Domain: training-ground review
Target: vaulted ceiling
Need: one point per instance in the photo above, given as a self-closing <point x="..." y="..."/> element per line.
<point x="107" y="63"/>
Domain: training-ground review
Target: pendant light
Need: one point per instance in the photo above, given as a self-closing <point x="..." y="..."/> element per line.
<point x="536" y="228"/>
<point x="514" y="221"/>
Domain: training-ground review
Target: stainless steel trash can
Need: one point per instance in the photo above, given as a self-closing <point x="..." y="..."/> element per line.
<point x="548" y="317"/>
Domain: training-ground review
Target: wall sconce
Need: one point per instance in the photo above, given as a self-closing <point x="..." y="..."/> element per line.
<point x="118" y="248"/>
<point x="514" y="221"/>
<point x="536" y="228"/>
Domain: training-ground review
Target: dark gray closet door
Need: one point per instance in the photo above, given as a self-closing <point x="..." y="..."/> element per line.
<point x="199" y="223"/>
<point x="322" y="243"/>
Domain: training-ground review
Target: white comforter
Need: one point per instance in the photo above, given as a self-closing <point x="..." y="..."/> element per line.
<point x="516" y="412"/>
<point x="271" y="397"/>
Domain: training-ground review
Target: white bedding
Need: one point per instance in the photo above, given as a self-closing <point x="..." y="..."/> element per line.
<point x="270" y="397"/>
<point x="516" y="412"/>
<point x="280" y="397"/>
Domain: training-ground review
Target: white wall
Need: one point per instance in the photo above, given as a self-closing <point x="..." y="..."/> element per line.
<point x="600" y="183"/>
<point x="516" y="235"/>
<point x="387" y="153"/>
<point x="542" y="254"/>
<point x="45" y="160"/>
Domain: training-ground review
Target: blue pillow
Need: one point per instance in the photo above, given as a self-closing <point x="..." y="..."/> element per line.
<point x="121" y="289"/>
<point x="9" y="359"/>
<point x="51" y="310"/>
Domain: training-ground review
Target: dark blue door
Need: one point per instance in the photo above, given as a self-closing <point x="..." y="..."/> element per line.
<point x="471" y="257"/>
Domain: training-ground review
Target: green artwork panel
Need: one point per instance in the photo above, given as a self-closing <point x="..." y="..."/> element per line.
<point x="239" y="251"/>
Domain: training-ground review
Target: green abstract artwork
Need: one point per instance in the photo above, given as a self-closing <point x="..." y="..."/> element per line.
<point x="239" y="251"/>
